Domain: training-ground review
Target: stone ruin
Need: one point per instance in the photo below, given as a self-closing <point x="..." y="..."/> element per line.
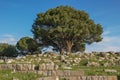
<point x="50" y="70"/>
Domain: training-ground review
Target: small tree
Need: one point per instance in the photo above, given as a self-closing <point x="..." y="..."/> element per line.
<point x="8" y="50"/>
<point x="66" y="29"/>
<point x="27" y="44"/>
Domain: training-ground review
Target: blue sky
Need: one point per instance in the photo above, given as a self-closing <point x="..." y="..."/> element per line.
<point x="17" y="17"/>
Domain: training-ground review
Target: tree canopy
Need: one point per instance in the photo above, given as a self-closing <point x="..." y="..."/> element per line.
<point x="8" y="50"/>
<point x="66" y="29"/>
<point x="26" y="44"/>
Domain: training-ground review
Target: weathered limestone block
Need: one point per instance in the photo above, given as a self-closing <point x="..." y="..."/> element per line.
<point x="49" y="78"/>
<point x="45" y="73"/>
<point x="64" y="73"/>
<point x="110" y="70"/>
<point x="1" y="60"/>
<point x="112" y="78"/>
<point x="93" y="64"/>
<point x="5" y="66"/>
<point x="60" y="73"/>
<point x="48" y="66"/>
<point x="18" y="67"/>
<point x="42" y="67"/>
<point x="90" y="78"/>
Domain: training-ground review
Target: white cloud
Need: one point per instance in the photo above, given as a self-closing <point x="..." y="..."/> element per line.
<point x="7" y="39"/>
<point x="109" y="43"/>
<point x="111" y="48"/>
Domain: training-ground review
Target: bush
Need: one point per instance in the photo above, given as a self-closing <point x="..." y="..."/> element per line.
<point x="83" y="62"/>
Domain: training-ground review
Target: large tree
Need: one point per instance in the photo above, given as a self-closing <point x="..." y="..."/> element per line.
<point x="66" y="29"/>
<point x="26" y="44"/>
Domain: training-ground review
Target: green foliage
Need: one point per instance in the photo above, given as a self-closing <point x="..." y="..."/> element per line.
<point x="8" y="50"/>
<point x="66" y="29"/>
<point x="118" y="77"/>
<point x="83" y="62"/>
<point x="27" y="44"/>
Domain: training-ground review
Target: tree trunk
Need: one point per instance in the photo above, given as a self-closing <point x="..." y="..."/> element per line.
<point x="69" y="45"/>
<point x="61" y="51"/>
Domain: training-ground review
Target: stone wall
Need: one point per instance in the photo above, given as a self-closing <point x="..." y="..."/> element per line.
<point x="43" y="69"/>
<point x="48" y="66"/>
<point x="17" y="67"/>
<point x="81" y="78"/>
<point x="28" y="67"/>
<point x="68" y="73"/>
<point x="52" y="73"/>
<point x="61" y="73"/>
<point x="49" y="78"/>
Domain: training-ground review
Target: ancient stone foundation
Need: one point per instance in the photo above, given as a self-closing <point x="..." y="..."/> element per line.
<point x="61" y="73"/>
<point x="52" y="73"/>
<point x="17" y="67"/>
<point x="81" y="78"/>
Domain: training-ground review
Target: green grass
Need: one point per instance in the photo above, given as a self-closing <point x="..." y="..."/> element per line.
<point x="9" y="75"/>
<point x="98" y="70"/>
